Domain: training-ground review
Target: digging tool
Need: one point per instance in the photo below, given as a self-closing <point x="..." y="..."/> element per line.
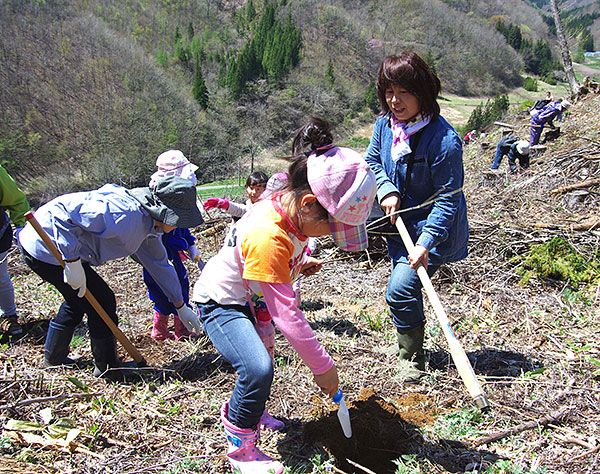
<point x="458" y="353"/>
<point x="122" y="338"/>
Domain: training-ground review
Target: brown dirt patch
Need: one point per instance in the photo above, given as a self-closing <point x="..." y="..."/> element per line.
<point x="381" y="430"/>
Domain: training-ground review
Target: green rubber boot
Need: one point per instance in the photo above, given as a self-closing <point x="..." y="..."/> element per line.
<point x="411" y="356"/>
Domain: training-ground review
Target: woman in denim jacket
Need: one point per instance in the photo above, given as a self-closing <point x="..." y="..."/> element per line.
<point x="417" y="159"/>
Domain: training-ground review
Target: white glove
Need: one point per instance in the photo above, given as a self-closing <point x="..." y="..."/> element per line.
<point x="189" y="318"/>
<point x="75" y="276"/>
<point x="195" y="256"/>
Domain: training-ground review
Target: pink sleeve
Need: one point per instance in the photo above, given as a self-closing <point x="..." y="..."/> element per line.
<point x="280" y="299"/>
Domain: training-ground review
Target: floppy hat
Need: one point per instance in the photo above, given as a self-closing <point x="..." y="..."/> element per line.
<point x="523" y="147"/>
<point x="172" y="201"/>
<point x="173" y="163"/>
<point x="345" y="186"/>
<point x="276" y="183"/>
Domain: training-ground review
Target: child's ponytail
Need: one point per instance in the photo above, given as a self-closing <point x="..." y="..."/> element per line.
<point x="313" y="136"/>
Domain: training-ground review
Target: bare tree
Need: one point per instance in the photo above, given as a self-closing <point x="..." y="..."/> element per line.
<point x="564" y="50"/>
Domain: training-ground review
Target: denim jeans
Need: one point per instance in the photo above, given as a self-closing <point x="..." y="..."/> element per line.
<point x="231" y="330"/>
<point x="498" y="158"/>
<point x="404" y="295"/>
<point x="7" y="292"/>
<point x="73" y="308"/>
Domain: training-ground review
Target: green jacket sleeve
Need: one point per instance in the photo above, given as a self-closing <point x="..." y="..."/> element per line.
<point x="13" y="199"/>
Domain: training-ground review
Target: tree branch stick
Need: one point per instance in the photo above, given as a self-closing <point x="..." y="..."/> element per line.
<point x="54" y="398"/>
<point x="582" y="184"/>
<point x="552" y="417"/>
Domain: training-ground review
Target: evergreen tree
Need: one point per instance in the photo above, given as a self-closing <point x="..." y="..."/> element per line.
<point x="161" y="57"/>
<point x="514" y="37"/>
<point x="329" y="76"/>
<point x="199" y="90"/>
<point x="176" y="36"/>
<point x="222" y="76"/>
<point x="190" y="31"/>
<point x="250" y="12"/>
<point x="587" y="41"/>
<point x="371" y="98"/>
<point x="182" y="52"/>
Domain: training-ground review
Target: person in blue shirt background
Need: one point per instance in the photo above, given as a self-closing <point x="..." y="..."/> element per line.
<point x="417" y="160"/>
<point x="91" y="228"/>
<point x="178" y="244"/>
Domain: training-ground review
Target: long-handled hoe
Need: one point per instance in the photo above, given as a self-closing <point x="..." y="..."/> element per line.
<point x="458" y="353"/>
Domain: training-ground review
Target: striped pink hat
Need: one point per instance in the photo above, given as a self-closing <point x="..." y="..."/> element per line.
<point x="344" y="185"/>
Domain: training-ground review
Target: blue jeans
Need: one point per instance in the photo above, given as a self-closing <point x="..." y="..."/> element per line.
<point x="404" y="295"/>
<point x="231" y="330"/>
<point x="498" y="158"/>
<point x="7" y="292"/>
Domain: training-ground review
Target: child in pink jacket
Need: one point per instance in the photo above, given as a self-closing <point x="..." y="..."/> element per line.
<point x="330" y="192"/>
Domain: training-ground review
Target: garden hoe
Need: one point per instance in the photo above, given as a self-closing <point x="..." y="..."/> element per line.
<point x="458" y="353"/>
<point x="122" y="338"/>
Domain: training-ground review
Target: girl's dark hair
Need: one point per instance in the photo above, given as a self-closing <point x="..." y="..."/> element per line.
<point x="315" y="134"/>
<point x="409" y="71"/>
<point x="258" y="177"/>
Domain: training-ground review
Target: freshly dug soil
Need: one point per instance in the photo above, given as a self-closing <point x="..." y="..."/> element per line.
<point x="381" y="431"/>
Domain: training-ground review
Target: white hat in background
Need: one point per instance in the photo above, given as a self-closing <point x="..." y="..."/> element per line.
<point x="523" y="147"/>
<point x="173" y="163"/>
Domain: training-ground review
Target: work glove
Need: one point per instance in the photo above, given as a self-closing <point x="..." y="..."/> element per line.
<point x="195" y="256"/>
<point x="189" y="318"/>
<point x="219" y="203"/>
<point x="75" y="276"/>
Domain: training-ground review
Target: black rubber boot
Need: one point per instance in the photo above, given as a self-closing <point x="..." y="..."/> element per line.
<point x="411" y="355"/>
<point x="107" y="363"/>
<point x="56" y="348"/>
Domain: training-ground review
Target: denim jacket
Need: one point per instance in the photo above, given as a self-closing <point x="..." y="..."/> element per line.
<point x="437" y="170"/>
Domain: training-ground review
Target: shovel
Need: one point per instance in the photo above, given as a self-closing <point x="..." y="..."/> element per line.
<point x="122" y="338"/>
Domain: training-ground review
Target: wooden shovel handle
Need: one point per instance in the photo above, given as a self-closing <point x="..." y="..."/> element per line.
<point x="457" y="352"/>
<point x="122" y="338"/>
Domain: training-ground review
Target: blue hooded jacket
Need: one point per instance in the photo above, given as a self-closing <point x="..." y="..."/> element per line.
<point x="437" y="172"/>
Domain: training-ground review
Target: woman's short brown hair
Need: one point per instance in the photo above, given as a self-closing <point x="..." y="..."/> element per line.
<point x="409" y="71"/>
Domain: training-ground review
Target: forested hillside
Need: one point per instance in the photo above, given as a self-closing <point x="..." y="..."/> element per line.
<point x="93" y="90"/>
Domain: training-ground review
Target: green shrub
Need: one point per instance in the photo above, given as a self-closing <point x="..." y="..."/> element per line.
<point x="486" y="114"/>
<point x="530" y="84"/>
<point x="525" y="105"/>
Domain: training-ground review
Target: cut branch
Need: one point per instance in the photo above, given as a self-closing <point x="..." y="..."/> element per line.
<point x="552" y="417"/>
<point x="582" y="184"/>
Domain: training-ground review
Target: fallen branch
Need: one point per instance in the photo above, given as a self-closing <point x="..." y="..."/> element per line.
<point x="582" y="184"/>
<point x="552" y="417"/>
<point x="54" y="398"/>
<point x="355" y="464"/>
<point x="584" y="226"/>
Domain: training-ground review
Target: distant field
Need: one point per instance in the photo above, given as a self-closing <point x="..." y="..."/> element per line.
<point x="457" y="109"/>
<point x="227" y="188"/>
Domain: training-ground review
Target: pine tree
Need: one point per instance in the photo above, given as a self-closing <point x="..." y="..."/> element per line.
<point x="329" y="76"/>
<point x="371" y="98"/>
<point x="199" y="90"/>
<point x="190" y="31"/>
